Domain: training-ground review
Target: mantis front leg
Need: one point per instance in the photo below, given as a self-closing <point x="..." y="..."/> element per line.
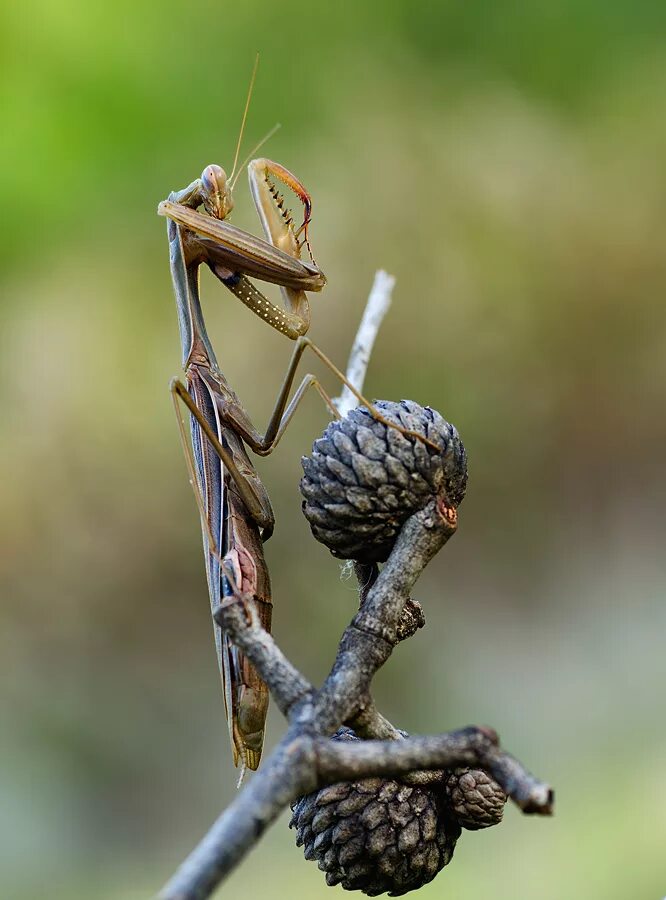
<point x="234" y="255"/>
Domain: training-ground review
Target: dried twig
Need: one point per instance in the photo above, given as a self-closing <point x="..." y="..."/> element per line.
<point x="303" y="760"/>
<point x="376" y="308"/>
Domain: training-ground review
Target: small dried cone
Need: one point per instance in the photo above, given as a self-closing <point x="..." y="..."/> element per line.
<point x="476" y="800"/>
<point x="376" y="835"/>
<point x="364" y="479"/>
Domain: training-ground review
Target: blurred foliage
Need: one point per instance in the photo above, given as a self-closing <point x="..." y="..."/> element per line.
<point x="505" y="162"/>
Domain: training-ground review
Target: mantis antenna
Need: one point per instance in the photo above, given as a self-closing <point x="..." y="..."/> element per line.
<point x="244" y="119"/>
<point x="269" y="134"/>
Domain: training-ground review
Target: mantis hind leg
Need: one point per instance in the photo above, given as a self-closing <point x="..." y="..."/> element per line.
<point x="284" y="409"/>
<point x="254" y="503"/>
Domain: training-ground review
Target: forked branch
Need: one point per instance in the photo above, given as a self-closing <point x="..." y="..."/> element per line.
<point x="305" y="758"/>
<point x="364" y="455"/>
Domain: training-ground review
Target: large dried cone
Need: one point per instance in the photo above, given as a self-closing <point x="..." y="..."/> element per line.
<point x="364" y="478"/>
<point x="376" y="835"/>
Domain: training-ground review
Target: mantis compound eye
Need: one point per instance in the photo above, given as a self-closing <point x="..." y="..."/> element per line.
<point x="217" y="196"/>
<point x="214" y="179"/>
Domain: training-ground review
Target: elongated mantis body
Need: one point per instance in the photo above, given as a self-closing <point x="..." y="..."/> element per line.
<point x="235" y="510"/>
<point x="234" y="506"/>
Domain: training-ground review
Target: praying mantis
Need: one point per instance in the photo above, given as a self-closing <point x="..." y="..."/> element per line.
<point x="234" y="507"/>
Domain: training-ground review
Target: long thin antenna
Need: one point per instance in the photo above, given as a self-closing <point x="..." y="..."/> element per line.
<point x="269" y="134"/>
<point x="247" y="106"/>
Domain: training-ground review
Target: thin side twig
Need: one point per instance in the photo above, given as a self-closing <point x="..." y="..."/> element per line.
<point x="238" y="618"/>
<point x="376" y="308"/>
<point x="341" y="761"/>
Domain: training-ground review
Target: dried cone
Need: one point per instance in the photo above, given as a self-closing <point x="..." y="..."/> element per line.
<point x="364" y="478"/>
<point x="376" y="835"/>
<point x="381" y="835"/>
<point x="476" y="800"/>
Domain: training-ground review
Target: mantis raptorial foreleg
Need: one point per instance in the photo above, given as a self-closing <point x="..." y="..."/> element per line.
<point x="233" y="254"/>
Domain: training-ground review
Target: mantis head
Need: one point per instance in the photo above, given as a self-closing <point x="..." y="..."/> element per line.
<point x="217" y="198"/>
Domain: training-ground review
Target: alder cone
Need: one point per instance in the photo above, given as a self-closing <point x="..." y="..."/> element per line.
<point x="364" y="479"/>
<point x="376" y="835"/>
<point x="476" y="799"/>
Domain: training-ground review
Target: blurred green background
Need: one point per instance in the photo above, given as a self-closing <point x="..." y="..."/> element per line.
<point x="506" y="162"/>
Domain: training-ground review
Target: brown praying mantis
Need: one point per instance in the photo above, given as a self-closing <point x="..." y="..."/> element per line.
<point x="235" y="510"/>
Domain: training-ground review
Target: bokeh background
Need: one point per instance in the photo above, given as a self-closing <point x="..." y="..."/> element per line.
<point x="506" y="162"/>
